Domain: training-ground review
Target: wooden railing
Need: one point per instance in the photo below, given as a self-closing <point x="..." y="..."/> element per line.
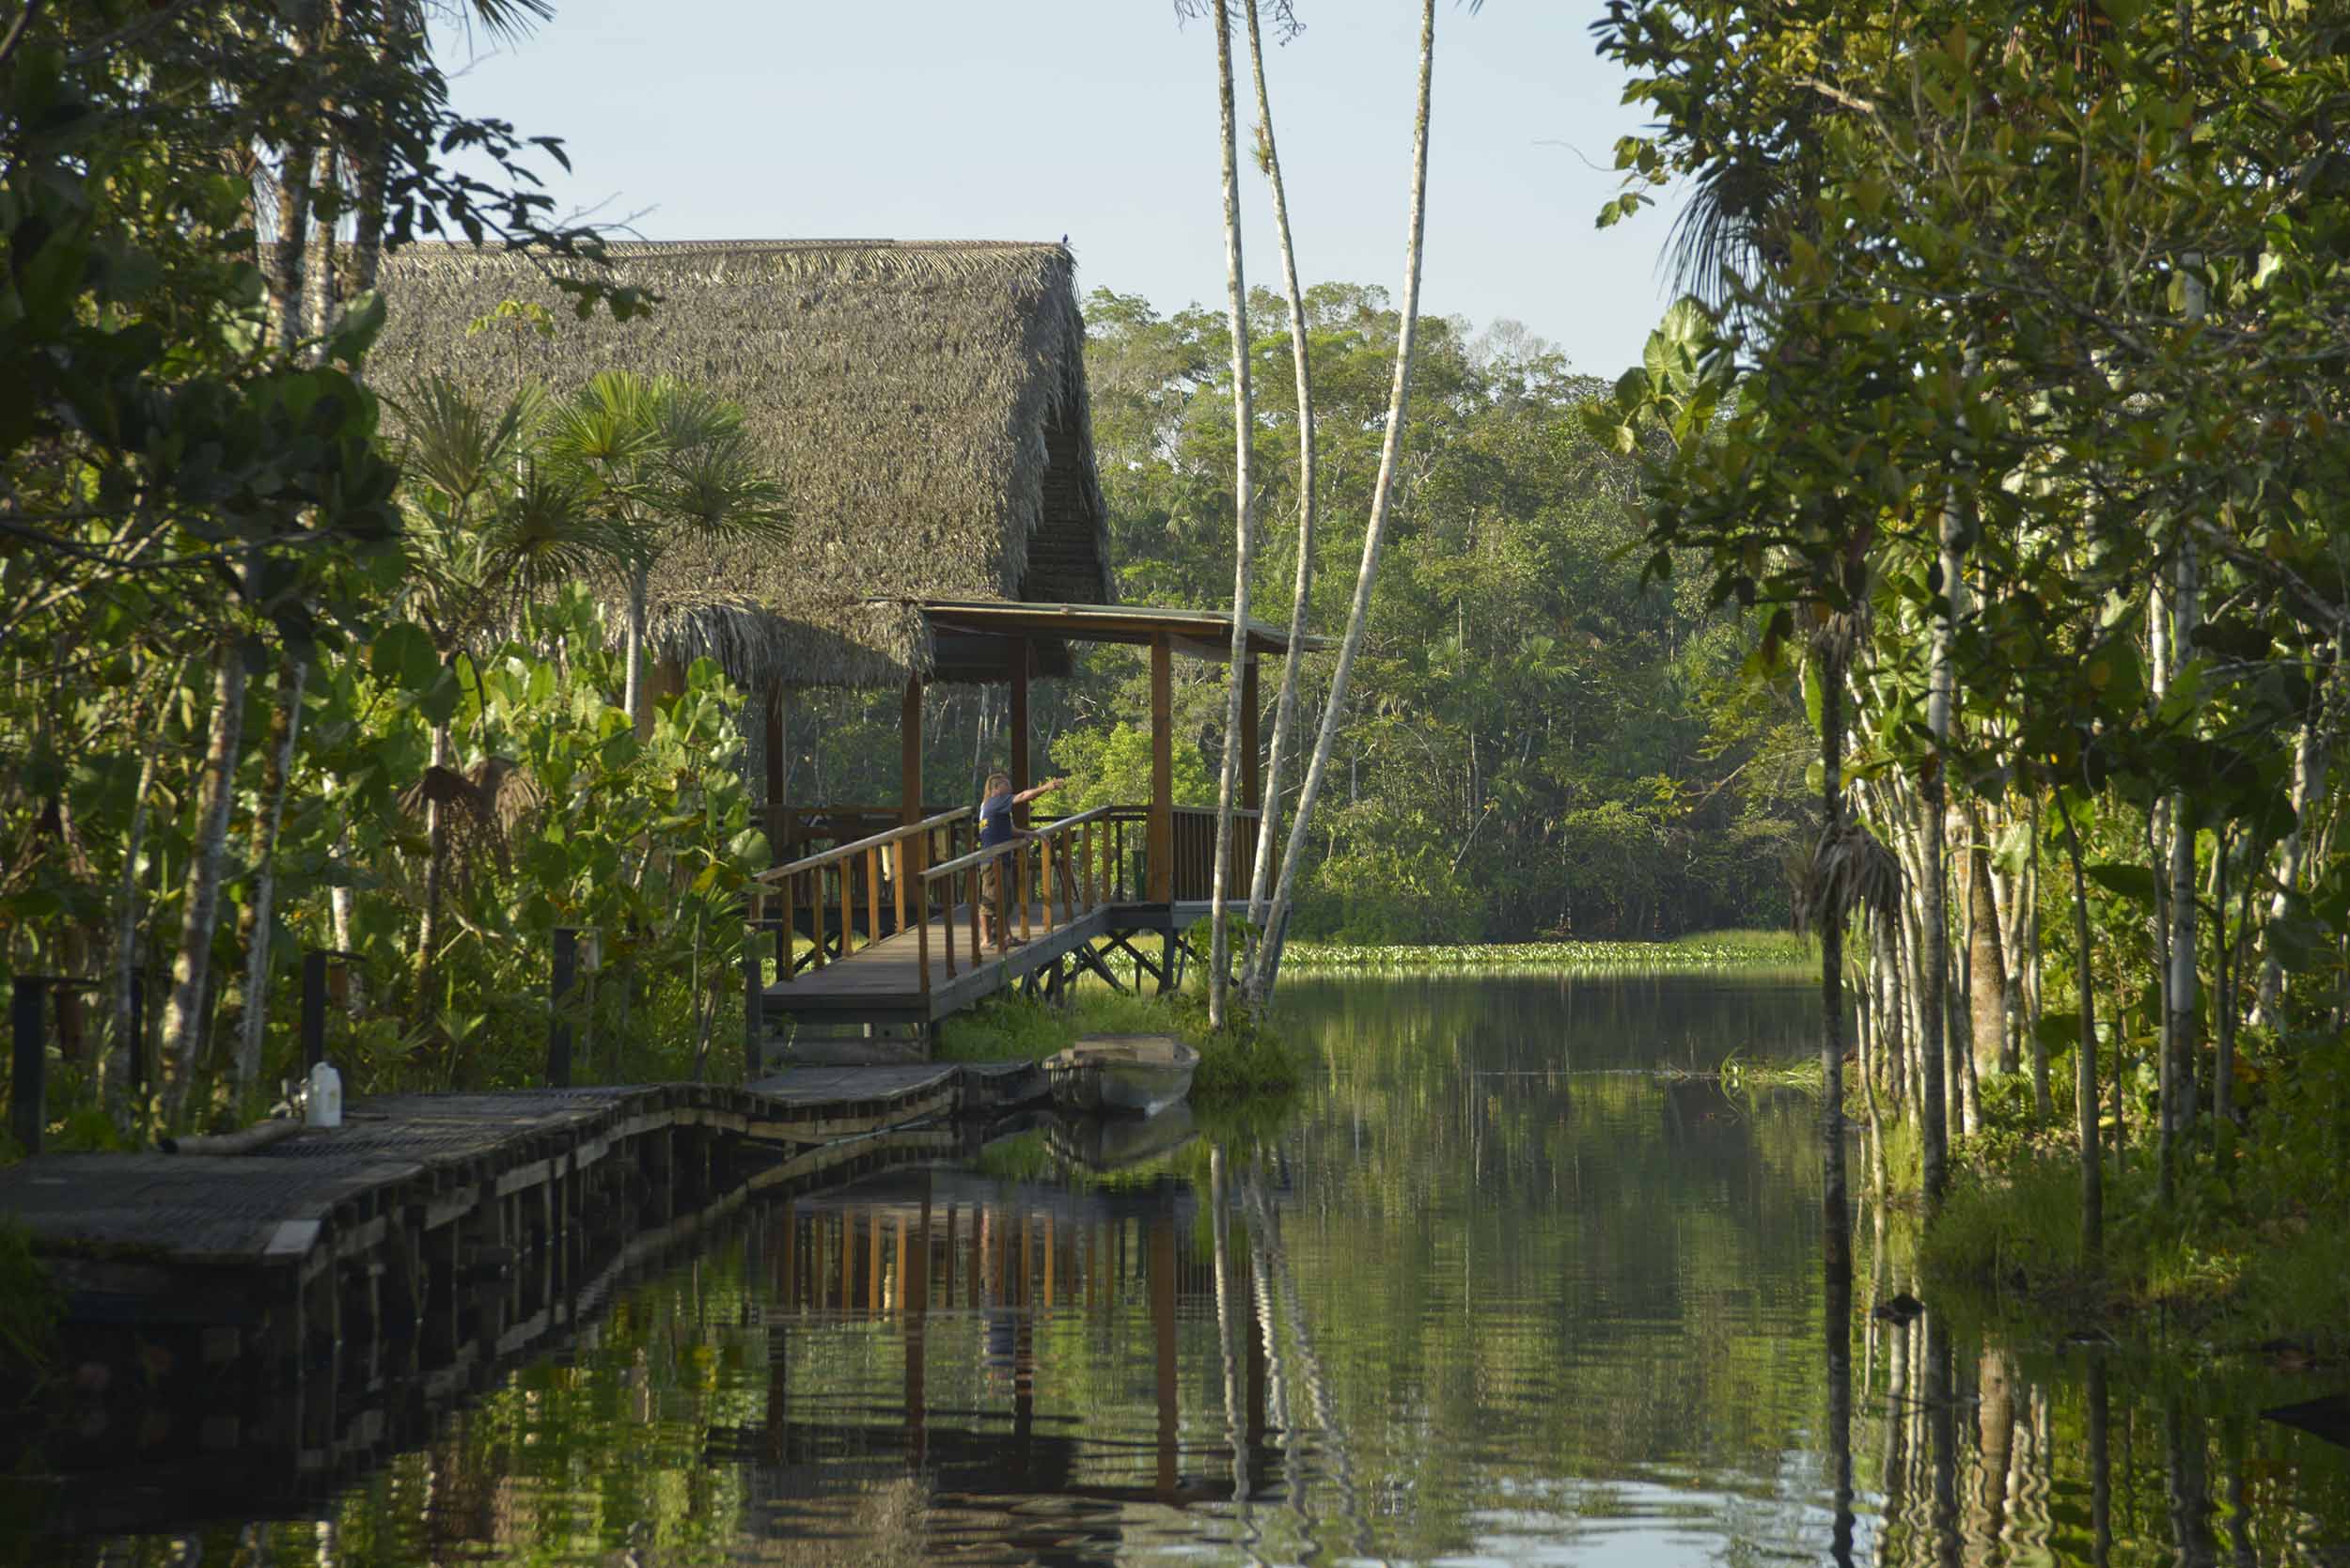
<point x="1195" y="853"/>
<point x="1075" y="873"/>
<point x="1193" y="861"/>
<point x="934" y="866"/>
<point x="796" y="832"/>
<point x="827" y="885"/>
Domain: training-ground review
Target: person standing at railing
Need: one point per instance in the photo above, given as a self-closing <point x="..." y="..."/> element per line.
<point x="999" y="827"/>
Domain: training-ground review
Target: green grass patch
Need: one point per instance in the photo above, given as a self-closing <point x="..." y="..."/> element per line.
<point x="1705" y="950"/>
<point x="1238" y="1060"/>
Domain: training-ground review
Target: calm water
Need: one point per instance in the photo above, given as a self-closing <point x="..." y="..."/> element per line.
<point x="1501" y="1292"/>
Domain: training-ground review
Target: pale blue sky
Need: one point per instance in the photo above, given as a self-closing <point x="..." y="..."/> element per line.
<point x="1096" y="118"/>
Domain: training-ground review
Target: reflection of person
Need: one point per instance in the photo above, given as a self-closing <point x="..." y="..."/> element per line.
<point x="996" y="827"/>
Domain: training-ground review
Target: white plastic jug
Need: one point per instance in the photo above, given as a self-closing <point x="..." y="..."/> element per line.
<point x="323" y="1107"/>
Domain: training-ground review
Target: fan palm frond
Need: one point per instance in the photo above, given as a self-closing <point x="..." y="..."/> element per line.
<point x="455" y="444"/>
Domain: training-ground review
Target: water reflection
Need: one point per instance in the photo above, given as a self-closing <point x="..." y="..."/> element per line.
<point x="1472" y="1304"/>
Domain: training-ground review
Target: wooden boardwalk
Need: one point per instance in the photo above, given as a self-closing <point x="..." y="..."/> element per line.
<point x="882" y="981"/>
<point x="385" y="1220"/>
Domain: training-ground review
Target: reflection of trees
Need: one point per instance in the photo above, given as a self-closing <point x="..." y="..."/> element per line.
<point x="1531" y="1279"/>
<point x="1987" y="1454"/>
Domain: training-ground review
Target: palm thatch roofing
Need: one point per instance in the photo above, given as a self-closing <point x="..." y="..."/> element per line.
<point x="923" y="404"/>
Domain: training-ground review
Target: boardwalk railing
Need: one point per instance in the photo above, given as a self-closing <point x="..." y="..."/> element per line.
<point x="1076" y="873"/>
<point x="1192" y="859"/>
<point x="798" y="832"/>
<point x="827" y="885"/>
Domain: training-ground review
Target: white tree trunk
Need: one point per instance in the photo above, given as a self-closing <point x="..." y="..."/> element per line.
<point x="1285" y="705"/>
<point x="2180" y="1011"/>
<point x="633" y="694"/>
<point x="1244" y="502"/>
<point x="320" y="291"/>
<point x="1267" y="967"/>
<point x="1934" y="968"/>
<point x="184" y="1011"/>
<point x="2179" y="999"/>
<point x="256" y="1020"/>
<point x="2308" y="772"/>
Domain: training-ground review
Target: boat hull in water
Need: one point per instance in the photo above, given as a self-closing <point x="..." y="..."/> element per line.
<point x="1121" y="1075"/>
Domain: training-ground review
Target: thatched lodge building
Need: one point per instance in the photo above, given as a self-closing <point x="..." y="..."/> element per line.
<point x="923" y="407"/>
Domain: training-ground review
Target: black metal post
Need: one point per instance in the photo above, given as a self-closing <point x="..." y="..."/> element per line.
<point x="559" y="1023"/>
<point x="29" y="1085"/>
<point x="313" y="1009"/>
<point x="139" y="1032"/>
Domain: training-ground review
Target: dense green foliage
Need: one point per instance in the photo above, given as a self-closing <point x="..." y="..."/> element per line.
<point x="2015" y="404"/>
<point x="270" y="679"/>
<point x="1539" y="746"/>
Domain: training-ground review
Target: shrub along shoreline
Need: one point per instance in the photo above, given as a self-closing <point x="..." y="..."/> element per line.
<point x="1713" y="949"/>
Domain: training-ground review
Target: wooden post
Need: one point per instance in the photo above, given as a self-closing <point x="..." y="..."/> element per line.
<point x="787" y="939"/>
<point x="872" y="896"/>
<point x="913" y="860"/>
<point x="1017" y="669"/>
<point x="1252" y="760"/>
<point x="909" y="796"/>
<point x="754" y="984"/>
<point x="1160" y="846"/>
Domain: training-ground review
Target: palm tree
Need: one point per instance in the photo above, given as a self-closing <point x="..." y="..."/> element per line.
<point x="490" y="528"/>
<point x="662" y="464"/>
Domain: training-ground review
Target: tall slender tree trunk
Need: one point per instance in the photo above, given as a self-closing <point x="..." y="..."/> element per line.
<point x="284" y="728"/>
<point x="1285" y="705"/>
<point x="2307" y="771"/>
<point x="633" y="693"/>
<point x="2085" y="1056"/>
<point x="2180" y="1004"/>
<point x="1835" y="1204"/>
<point x="282" y="258"/>
<point x="1986" y="966"/>
<point x="321" y="286"/>
<point x="1267" y="967"/>
<point x="1245" y="506"/>
<point x="184" y="1011"/>
<point x="435" y="875"/>
<point x="2180" y="1010"/>
<point x="1932" y="899"/>
<point x="126" y="1040"/>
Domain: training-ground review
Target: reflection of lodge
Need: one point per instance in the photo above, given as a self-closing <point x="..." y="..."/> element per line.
<point x="928" y="1253"/>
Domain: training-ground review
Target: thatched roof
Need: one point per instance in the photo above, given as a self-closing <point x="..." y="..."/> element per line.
<point x="924" y="406"/>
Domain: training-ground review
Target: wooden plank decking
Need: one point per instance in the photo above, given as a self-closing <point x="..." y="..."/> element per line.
<point x="883" y="980"/>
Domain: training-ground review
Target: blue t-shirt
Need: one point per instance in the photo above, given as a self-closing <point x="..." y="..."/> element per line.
<point x="996" y="826"/>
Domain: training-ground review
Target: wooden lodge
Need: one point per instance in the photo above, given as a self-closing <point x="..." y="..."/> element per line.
<point x="924" y="407"/>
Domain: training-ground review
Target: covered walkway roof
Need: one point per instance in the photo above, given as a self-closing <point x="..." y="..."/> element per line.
<point x="973" y="639"/>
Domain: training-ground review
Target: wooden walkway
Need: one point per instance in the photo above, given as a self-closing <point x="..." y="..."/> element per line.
<point x="882" y="983"/>
<point x="387" y="1218"/>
